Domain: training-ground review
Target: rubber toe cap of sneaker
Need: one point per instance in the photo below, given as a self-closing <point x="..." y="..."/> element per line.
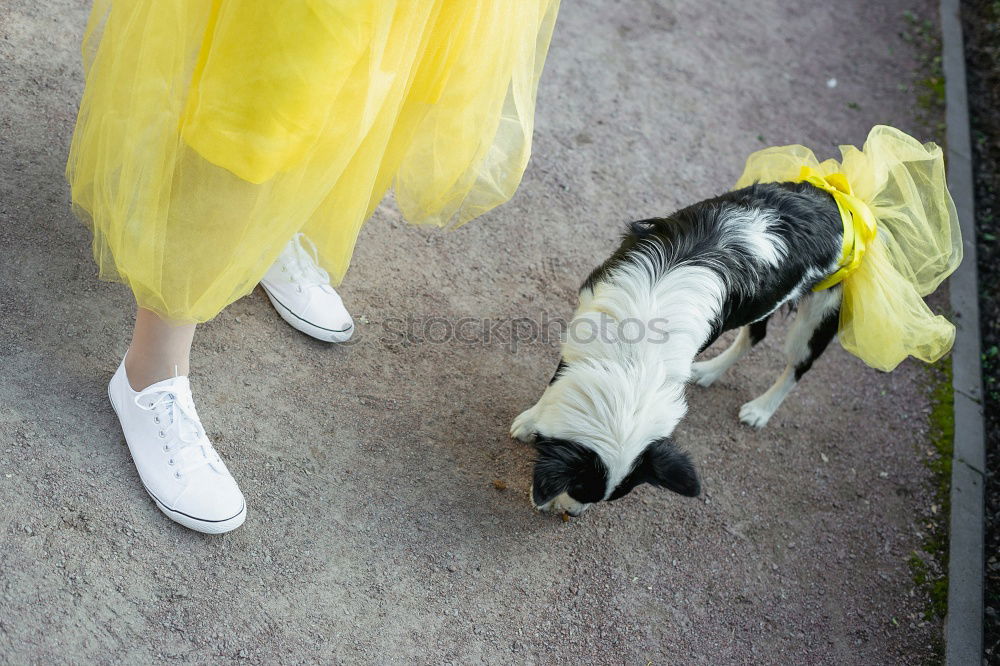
<point x="210" y="499"/>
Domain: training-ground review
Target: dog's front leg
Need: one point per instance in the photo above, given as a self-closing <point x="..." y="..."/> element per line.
<point x="704" y="373"/>
<point x="759" y="411"/>
<point x="524" y="427"/>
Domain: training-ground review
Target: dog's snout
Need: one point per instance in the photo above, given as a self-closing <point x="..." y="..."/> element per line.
<point x="562" y="503"/>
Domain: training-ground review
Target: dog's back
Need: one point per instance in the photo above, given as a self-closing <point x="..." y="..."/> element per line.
<point x="769" y="244"/>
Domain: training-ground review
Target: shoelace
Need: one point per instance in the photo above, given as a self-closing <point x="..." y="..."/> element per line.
<point x="190" y="448"/>
<point x="302" y="265"/>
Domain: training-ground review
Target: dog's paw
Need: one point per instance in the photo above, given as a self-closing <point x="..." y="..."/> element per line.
<point x="756" y="413"/>
<point x="523" y="427"/>
<point x="703" y="374"/>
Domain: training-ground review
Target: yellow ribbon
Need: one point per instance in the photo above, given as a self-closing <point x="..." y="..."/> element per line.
<point x="859" y="222"/>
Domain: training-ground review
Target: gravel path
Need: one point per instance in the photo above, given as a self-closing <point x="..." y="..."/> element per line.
<point x="375" y="531"/>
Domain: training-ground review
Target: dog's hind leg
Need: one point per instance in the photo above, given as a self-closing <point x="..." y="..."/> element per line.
<point x="706" y="372"/>
<point x="814" y="327"/>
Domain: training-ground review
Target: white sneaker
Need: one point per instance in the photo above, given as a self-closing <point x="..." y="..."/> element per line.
<point x="177" y="464"/>
<point x="301" y="293"/>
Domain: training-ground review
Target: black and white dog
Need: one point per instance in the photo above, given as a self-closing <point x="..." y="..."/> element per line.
<point x="604" y="424"/>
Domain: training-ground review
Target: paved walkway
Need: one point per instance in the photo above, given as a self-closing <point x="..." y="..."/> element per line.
<point x="375" y="533"/>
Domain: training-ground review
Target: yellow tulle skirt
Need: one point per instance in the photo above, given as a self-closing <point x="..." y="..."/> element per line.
<point x="917" y="241"/>
<point x="211" y="131"/>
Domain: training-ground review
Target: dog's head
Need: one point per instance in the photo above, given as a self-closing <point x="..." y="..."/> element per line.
<point x="569" y="476"/>
<point x="601" y="430"/>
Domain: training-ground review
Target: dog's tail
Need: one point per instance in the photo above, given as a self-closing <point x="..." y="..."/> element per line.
<point x="901" y="239"/>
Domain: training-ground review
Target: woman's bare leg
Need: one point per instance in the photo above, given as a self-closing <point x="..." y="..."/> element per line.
<point x="160" y="349"/>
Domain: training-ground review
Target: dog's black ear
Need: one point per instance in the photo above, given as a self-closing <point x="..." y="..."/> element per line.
<point x="668" y="467"/>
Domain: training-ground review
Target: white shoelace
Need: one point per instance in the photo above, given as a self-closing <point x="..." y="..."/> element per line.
<point x="302" y="265"/>
<point x="189" y="446"/>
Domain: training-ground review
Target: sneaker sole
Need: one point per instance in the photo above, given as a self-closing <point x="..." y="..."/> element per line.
<point x="204" y="526"/>
<point x="307" y="327"/>
<point x="196" y="524"/>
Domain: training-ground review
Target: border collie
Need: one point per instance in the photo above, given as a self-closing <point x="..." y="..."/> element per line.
<point x="604" y="424"/>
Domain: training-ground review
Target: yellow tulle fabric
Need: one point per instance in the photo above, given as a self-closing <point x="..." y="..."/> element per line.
<point x="860" y="226"/>
<point x="211" y="131"/>
<point x="916" y="244"/>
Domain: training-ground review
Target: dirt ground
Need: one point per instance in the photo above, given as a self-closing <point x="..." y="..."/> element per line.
<point x="375" y="533"/>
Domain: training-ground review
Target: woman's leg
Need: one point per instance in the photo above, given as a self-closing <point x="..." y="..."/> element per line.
<point x="160" y="349"/>
<point x="179" y="468"/>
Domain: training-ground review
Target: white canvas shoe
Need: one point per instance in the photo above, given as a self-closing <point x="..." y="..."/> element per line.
<point x="177" y="464"/>
<point x="299" y="289"/>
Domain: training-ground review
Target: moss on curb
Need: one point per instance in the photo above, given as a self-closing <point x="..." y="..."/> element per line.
<point x="923" y="35"/>
<point x="929" y="566"/>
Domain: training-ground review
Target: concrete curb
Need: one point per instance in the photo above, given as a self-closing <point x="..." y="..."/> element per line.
<point x="964" y="623"/>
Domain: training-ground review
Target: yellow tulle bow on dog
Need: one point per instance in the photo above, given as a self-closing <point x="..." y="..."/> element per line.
<point x="901" y="239"/>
